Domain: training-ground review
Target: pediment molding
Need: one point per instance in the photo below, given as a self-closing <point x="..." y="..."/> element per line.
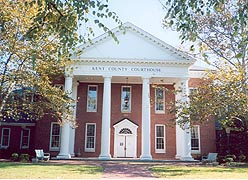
<point x="130" y="61"/>
<point x="180" y="57"/>
<point x="125" y="121"/>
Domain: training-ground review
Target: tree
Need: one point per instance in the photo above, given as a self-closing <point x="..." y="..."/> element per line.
<point x="36" y="37"/>
<point x="220" y="28"/>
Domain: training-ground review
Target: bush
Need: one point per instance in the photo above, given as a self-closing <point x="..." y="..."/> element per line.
<point x="14" y="157"/>
<point x="242" y="158"/>
<point x="24" y="157"/>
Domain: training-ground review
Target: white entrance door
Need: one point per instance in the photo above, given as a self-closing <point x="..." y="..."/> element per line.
<point x="126" y="146"/>
<point x="125" y="143"/>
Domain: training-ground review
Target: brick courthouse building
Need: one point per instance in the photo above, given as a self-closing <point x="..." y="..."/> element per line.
<point x="118" y="111"/>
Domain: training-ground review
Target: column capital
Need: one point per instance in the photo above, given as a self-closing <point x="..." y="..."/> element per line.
<point x="146" y="77"/>
<point x="107" y="76"/>
<point x="68" y="75"/>
<point x="181" y="82"/>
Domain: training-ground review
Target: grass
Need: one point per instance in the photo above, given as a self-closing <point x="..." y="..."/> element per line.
<point x="11" y="170"/>
<point x="189" y="172"/>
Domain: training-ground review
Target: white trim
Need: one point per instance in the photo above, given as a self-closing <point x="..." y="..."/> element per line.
<point x="130" y="99"/>
<point x="125" y="123"/>
<point x="130" y="61"/>
<point x="159" y="111"/>
<point x="8" y="138"/>
<point x="21" y="146"/>
<point x="199" y="140"/>
<point x="160" y="150"/>
<point x="85" y="144"/>
<point x="87" y="109"/>
<point x="51" y="135"/>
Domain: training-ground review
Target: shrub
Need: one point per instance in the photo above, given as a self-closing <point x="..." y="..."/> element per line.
<point x="14" y="157"/>
<point x="242" y="157"/>
<point x="24" y="157"/>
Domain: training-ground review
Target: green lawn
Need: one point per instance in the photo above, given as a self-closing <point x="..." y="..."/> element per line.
<point x="10" y="170"/>
<point x="195" y="172"/>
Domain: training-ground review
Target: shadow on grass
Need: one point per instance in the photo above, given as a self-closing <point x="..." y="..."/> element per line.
<point x="170" y="171"/>
<point x="82" y="169"/>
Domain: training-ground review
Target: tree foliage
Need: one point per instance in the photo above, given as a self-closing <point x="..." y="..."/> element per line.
<point x="220" y="28"/>
<point x="221" y="95"/>
<point x="36" y="37"/>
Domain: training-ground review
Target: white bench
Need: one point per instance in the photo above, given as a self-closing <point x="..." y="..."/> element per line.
<point x="41" y="156"/>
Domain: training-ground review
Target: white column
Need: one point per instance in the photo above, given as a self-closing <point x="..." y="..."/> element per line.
<point x="72" y="129"/>
<point x="146" y="121"/>
<point x="183" y="136"/>
<point x="179" y="130"/>
<point x="106" y="115"/>
<point x="65" y="133"/>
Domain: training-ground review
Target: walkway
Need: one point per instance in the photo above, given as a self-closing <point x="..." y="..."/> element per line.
<point x="117" y="170"/>
<point x="124" y="169"/>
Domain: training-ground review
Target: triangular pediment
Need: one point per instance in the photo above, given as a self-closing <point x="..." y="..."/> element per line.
<point x="134" y="44"/>
<point x="125" y="122"/>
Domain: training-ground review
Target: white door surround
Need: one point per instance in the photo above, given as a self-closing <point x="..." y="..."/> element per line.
<point x="125" y="139"/>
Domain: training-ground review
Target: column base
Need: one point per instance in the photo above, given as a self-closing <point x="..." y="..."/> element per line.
<point x="63" y="156"/>
<point x="187" y="158"/>
<point x="72" y="154"/>
<point x="104" y="157"/>
<point x="178" y="157"/>
<point x="145" y="158"/>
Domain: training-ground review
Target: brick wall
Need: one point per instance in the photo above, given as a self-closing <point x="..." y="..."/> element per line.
<point x="207" y="131"/>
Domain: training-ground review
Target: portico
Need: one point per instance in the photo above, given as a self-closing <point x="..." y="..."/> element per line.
<point x="105" y="66"/>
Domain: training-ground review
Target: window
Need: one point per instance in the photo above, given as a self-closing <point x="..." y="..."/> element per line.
<point x="159" y="100"/>
<point x="126" y="99"/>
<point x="25" y="136"/>
<point x="195" y="139"/>
<point x="55" y="136"/>
<point x="160" y="138"/>
<point x="5" y="138"/>
<point x="92" y="99"/>
<point x="90" y="137"/>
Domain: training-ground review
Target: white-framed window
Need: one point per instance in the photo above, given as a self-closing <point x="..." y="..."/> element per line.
<point x="92" y="98"/>
<point x="160" y="138"/>
<point x="126" y="99"/>
<point x="195" y="139"/>
<point x="159" y="100"/>
<point x="5" y="138"/>
<point x="90" y="137"/>
<point x="25" y="138"/>
<point x="55" y="136"/>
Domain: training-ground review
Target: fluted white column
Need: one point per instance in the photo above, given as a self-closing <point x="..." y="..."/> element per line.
<point x="65" y="132"/>
<point x="146" y="121"/>
<point x="106" y="115"/>
<point x="183" y="135"/>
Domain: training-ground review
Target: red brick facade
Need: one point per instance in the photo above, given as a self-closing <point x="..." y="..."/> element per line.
<point x="40" y="134"/>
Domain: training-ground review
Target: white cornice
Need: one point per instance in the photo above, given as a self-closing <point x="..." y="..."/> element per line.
<point x="130" y="61"/>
